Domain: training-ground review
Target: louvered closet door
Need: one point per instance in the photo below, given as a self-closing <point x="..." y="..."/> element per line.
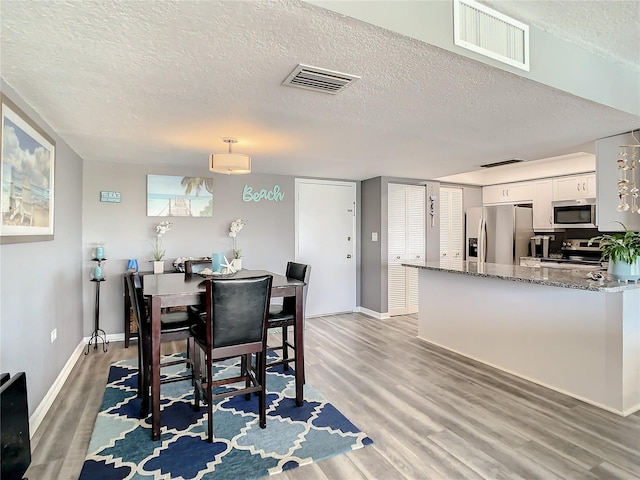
<point x="415" y="240"/>
<point x="451" y="225"/>
<point x="406" y="241"/>
<point x="445" y="221"/>
<point x="397" y="242"/>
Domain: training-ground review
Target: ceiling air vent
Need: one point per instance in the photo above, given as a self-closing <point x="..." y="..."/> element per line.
<point x="490" y="33"/>
<point x="503" y="162"/>
<point x="319" y="79"/>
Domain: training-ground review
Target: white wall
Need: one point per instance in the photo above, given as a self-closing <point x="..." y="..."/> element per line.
<point x="570" y="68"/>
<point x="41" y="283"/>
<point x="607" y="175"/>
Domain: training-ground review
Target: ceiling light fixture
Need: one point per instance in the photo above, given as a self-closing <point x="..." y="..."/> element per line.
<point x="230" y="163"/>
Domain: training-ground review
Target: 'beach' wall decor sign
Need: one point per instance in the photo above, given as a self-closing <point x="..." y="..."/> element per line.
<point x="110" y="197"/>
<point x="273" y="195"/>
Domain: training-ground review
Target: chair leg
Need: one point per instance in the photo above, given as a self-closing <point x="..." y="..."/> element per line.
<point x="261" y="361"/>
<point x="140" y="370"/>
<point x="246" y="361"/>
<point x="285" y="349"/>
<point x="196" y="379"/>
<point x="189" y="363"/>
<point x="146" y="375"/>
<point x="209" y="395"/>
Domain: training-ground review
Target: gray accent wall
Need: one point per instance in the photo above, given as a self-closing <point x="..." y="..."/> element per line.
<point x="432" y="234"/>
<point x="374" y="272"/>
<point x="41" y="283"/>
<point x="372" y="252"/>
<point x="267" y="241"/>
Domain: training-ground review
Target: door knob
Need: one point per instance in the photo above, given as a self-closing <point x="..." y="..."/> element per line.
<point x="348" y="255"/>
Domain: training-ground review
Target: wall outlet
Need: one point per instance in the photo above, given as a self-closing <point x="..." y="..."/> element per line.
<point x="54" y="335"/>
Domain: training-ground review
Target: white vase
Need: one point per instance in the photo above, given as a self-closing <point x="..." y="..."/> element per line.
<point x="623" y="271"/>
<point x="158" y="267"/>
<point x="237" y="264"/>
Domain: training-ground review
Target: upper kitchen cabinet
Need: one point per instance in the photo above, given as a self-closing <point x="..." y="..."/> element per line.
<point x="608" y="152"/>
<point x="574" y="187"/>
<point x="542" y="208"/>
<point x="508" y="193"/>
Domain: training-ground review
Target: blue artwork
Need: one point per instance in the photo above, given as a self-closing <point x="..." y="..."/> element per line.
<point x="27" y="168"/>
<point x="174" y="196"/>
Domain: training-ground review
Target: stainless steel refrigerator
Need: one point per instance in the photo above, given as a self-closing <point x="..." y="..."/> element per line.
<point x="499" y="233"/>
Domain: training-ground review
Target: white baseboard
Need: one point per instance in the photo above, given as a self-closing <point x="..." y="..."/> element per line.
<point x="371" y="313"/>
<point x="39" y="413"/>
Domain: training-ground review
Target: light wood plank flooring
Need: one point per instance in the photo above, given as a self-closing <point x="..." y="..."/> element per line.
<point x="431" y="413"/>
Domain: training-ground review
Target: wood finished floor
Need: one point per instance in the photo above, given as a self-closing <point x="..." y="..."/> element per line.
<point x="432" y="414"/>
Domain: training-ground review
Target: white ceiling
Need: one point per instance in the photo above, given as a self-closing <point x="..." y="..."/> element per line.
<point x="162" y="82"/>
<point x="609" y="28"/>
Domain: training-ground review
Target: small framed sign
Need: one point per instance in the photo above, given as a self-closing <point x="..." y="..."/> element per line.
<point x="110" y="197"/>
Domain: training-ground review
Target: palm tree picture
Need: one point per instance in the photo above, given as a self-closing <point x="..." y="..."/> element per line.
<point x="173" y="196"/>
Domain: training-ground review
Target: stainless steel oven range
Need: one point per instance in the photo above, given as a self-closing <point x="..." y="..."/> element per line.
<point x="576" y="253"/>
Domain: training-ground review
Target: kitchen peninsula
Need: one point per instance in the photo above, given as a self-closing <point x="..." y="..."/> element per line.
<point x="555" y="327"/>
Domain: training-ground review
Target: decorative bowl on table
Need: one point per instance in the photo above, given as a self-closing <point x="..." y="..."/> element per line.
<point x="208" y="273"/>
<point x="178" y="263"/>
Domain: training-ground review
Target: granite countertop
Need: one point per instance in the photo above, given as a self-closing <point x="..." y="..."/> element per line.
<point x="555" y="277"/>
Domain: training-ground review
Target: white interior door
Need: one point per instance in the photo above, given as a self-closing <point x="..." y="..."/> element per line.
<point x="325" y="239"/>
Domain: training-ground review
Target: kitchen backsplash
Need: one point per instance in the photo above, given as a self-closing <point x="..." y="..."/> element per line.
<point x="555" y="245"/>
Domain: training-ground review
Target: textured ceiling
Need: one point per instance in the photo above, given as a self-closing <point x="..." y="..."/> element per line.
<point x="609" y="28"/>
<point x="163" y="82"/>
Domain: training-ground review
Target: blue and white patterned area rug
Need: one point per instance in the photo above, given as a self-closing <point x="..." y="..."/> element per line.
<point x="121" y="445"/>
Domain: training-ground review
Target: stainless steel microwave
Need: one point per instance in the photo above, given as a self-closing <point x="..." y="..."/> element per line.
<point x="580" y="213"/>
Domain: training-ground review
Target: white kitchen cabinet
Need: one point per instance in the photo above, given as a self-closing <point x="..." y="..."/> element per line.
<point x="542" y="208"/>
<point x="406" y="241"/>
<point x="574" y="187"/>
<point x="451" y="225"/>
<point x="508" y="193"/>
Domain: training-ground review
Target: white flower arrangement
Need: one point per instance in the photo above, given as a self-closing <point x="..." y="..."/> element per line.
<point x="234" y="228"/>
<point x="162" y="228"/>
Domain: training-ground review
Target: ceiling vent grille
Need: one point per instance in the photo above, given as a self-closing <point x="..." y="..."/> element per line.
<point x="503" y="162"/>
<point x="490" y="33"/>
<point x="319" y="79"/>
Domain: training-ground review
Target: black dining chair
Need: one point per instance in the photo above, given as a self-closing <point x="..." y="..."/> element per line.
<point x="283" y="316"/>
<point x="236" y="312"/>
<point x="173" y="326"/>
<point x="196" y="266"/>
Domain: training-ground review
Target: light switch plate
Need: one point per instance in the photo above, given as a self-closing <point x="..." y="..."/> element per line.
<point x="374" y="236"/>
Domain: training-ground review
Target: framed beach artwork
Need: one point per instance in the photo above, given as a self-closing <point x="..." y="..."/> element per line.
<point x="174" y="196"/>
<point x="27" y="165"/>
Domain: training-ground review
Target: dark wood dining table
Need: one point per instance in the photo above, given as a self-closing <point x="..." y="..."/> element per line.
<point x="179" y="289"/>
